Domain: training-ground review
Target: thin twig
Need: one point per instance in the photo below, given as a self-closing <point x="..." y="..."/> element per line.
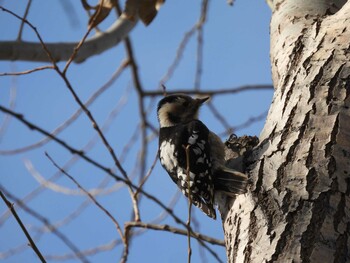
<point x="196" y="226"/>
<point x="103" y="168"/>
<point x="92" y="198"/>
<point x="26" y="71"/>
<point x="144" y="179"/>
<point x="49" y="226"/>
<point x="177" y="231"/>
<point x="178" y="56"/>
<point x="200" y="24"/>
<point x="111" y="245"/>
<point x="12" y="103"/>
<point x="76" y="49"/>
<point x="139" y="89"/>
<point x="87" y="252"/>
<point x="26" y="12"/>
<point x="219" y="117"/>
<point x="76" y="97"/>
<point x="245" y="124"/>
<point x="75" y="158"/>
<point x="70" y="13"/>
<point x="91" y="161"/>
<point x="66" y="190"/>
<point x="77" y="113"/>
<point x="19" y="221"/>
<point x="209" y="92"/>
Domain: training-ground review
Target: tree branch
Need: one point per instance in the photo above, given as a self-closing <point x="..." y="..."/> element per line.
<point x="19" y="221"/>
<point x="175" y="230"/>
<point x="33" y="51"/>
<point x="92" y="198"/>
<point x="209" y="92"/>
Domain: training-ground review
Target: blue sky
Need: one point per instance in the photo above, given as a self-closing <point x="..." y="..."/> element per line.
<point x="235" y="53"/>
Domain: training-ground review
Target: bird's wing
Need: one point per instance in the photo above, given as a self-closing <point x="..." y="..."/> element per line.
<point x="198" y="166"/>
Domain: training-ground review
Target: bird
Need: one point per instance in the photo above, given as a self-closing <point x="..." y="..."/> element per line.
<point x="194" y="156"/>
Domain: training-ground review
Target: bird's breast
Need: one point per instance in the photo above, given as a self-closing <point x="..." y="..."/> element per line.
<point x="167" y="155"/>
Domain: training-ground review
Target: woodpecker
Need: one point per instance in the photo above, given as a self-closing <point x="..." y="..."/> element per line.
<point x="200" y="170"/>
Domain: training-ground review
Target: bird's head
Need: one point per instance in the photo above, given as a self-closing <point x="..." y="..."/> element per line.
<point x="178" y="108"/>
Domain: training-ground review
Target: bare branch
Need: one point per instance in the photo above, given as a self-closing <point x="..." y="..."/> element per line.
<point x="90" y="196"/>
<point x="134" y="157"/>
<point x="219" y="117"/>
<point x="47" y="223"/>
<point x="144" y="179"/>
<point x="91" y="161"/>
<point x="32" y="51"/>
<point x="19" y="221"/>
<point x="200" y="24"/>
<point x="76" y="158"/>
<point x="244" y="125"/>
<point x="12" y="102"/>
<point x="88" y="252"/>
<point x="175" y="230"/>
<point x="139" y="89"/>
<point x="77" y="113"/>
<point x="178" y="56"/>
<point x="25" y="72"/>
<point x="212" y="92"/>
<point x="19" y="37"/>
<point x="66" y="190"/>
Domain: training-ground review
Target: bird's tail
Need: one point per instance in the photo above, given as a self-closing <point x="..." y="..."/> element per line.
<point x="230" y="181"/>
<point x="208" y="209"/>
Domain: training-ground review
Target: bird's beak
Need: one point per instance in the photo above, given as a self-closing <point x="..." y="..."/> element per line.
<point x="200" y="101"/>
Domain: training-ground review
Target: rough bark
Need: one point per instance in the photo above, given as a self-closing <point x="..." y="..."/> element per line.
<point x="298" y="206"/>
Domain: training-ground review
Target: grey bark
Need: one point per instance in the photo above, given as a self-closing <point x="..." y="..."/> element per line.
<point x="34" y="51"/>
<point x="298" y="206"/>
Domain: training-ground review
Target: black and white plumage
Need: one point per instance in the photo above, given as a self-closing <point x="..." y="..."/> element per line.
<point x="179" y="128"/>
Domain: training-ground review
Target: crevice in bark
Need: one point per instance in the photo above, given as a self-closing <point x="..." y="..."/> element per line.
<point x="286" y="201"/>
<point x="331" y="167"/>
<point x="252" y="234"/>
<point x="333" y="139"/>
<point x="271" y="210"/>
<point x="287" y="233"/>
<point x="312" y="233"/>
<point x="313" y="109"/>
<point x="297" y="51"/>
<point x="314" y="84"/>
<point x="285" y="81"/>
<point x="289" y="157"/>
<point x="311" y="177"/>
<point x="287" y="127"/>
<point x="280" y="178"/>
<point x="346" y="85"/>
<point x="260" y="176"/>
<point x="311" y="181"/>
<point x="306" y="63"/>
<point x="318" y="23"/>
<point x="289" y="94"/>
<point x="236" y="242"/>
<point x="309" y="158"/>
<point x="348" y="186"/>
<point x="334" y="83"/>
<point x="340" y="213"/>
<point x="291" y="152"/>
<point x="341" y="254"/>
<point x="294" y="59"/>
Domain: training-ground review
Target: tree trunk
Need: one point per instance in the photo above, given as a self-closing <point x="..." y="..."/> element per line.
<point x="298" y="206"/>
